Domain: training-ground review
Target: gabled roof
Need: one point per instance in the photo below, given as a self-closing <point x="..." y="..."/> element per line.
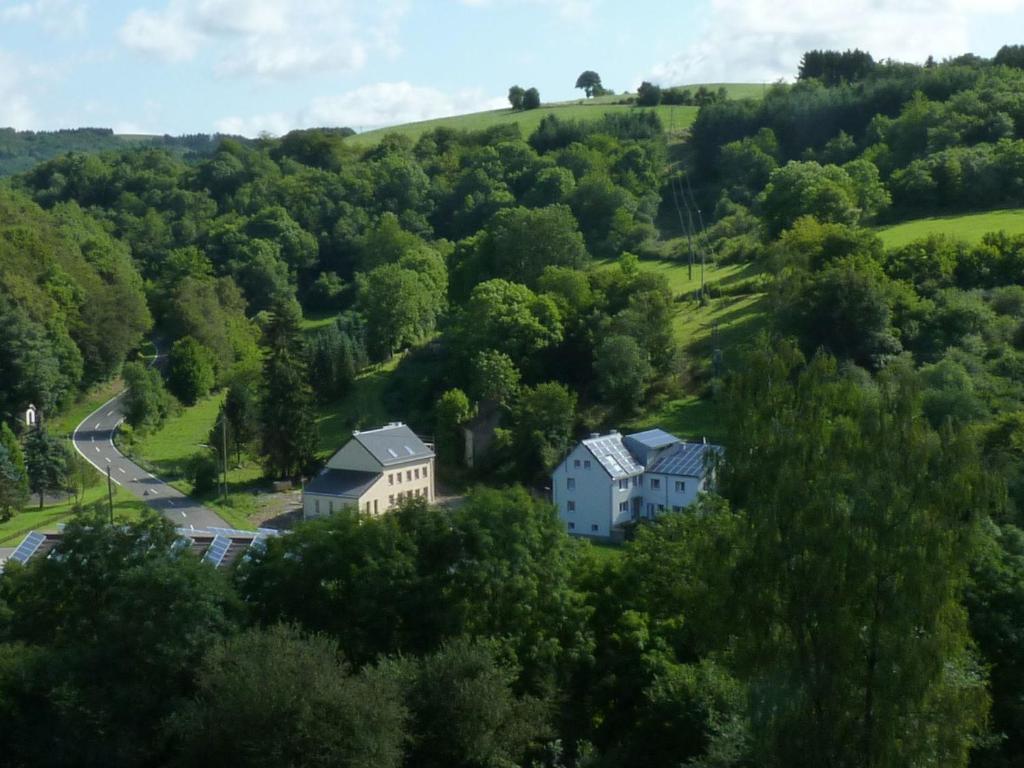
<point x="393" y="444"/>
<point x="686" y="459"/>
<point x="613" y="456"/>
<point x="346" y="483"/>
<point x="653" y="438"/>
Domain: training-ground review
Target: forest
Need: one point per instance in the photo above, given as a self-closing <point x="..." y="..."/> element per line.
<point x="852" y="594"/>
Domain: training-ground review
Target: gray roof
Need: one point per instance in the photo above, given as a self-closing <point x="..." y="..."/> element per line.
<point x="654" y="438"/>
<point x="393" y="444"/>
<point x="347" y="483"/>
<point x="686" y="459"/>
<point x="613" y="456"/>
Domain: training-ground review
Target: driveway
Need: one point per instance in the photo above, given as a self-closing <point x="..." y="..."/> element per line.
<point x="94" y="440"/>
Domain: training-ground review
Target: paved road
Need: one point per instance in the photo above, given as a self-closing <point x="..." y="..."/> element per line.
<point x="94" y="439"/>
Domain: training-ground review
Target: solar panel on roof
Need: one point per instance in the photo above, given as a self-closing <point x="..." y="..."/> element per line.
<point x="686" y="459"/>
<point x="613" y="456"/>
<point x="217" y="550"/>
<point x="28" y="547"/>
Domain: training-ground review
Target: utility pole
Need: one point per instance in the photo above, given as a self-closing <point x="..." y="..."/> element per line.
<point x="224" y="455"/>
<point x="110" y="494"/>
<point x="689" y="238"/>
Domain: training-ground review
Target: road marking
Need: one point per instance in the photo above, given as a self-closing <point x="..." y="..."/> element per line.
<point x="97" y="449"/>
<point x="184" y="515"/>
<point x="106" y="459"/>
<point x="121" y="470"/>
<point x="110" y="413"/>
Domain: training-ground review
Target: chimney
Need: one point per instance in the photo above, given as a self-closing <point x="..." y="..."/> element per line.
<point x="594" y="434"/>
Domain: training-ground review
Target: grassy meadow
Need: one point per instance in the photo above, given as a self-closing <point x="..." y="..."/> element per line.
<point x="675" y="119"/>
<point x="31" y="518"/>
<point x="970" y="227"/>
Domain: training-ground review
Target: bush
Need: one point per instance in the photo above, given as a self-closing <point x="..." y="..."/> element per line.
<point x="203" y="472"/>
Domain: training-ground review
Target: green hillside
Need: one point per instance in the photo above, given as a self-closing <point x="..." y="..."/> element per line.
<point x="676" y="118"/>
<point x="970" y="227"/>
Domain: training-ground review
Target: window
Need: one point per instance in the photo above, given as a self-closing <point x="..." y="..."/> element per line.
<point x="650" y="509"/>
<point x="367" y="507"/>
<point x="408" y="474"/>
<point x="623" y="506"/>
<point x="426" y="493"/>
<point x="680" y="486"/>
<point x="570" y="483"/>
<point x="638" y="481"/>
<point x="624" y="484"/>
<point x="375" y="506"/>
<point x="330" y="507"/>
<point x="586" y="464"/>
<point x="676" y="509"/>
<point x="576" y="463"/>
<point x="661" y="508"/>
<point x="416" y="474"/>
<point x="572" y="526"/>
<point x="593" y="526"/>
<point x="391" y="500"/>
<point x="655" y="483"/>
<point x="571" y="506"/>
<point x="316" y="506"/>
<point x="424" y="472"/>
<point x="391" y="479"/>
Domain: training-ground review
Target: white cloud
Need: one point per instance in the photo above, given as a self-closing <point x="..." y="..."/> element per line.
<point x="64" y="18"/>
<point x="268" y="38"/>
<point x="573" y="10"/>
<point x="165" y="33"/>
<point x="15" y="109"/>
<point x="762" y="40"/>
<point x="366" y="107"/>
<point x="381" y="104"/>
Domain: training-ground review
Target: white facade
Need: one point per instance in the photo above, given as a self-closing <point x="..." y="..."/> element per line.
<point x="603" y="482"/>
<point x="589" y="499"/>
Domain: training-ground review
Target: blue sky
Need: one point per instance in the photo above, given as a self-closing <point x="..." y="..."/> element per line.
<point x="245" y="66"/>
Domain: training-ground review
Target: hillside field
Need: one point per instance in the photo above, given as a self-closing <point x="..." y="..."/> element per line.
<point x="674" y="118"/>
<point x="970" y="227"/>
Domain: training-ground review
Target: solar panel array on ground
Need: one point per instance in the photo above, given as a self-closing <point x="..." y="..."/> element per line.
<point x="613" y="456"/>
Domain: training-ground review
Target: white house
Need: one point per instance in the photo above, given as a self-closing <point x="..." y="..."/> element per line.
<point x="372" y="472"/>
<point x="609" y="480"/>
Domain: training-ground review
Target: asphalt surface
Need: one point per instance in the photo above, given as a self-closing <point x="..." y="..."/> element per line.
<point x="94" y="439"/>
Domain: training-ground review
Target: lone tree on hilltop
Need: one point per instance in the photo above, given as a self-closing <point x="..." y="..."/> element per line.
<point x="515" y="97"/>
<point x="590" y="82"/>
<point x="531" y="99"/>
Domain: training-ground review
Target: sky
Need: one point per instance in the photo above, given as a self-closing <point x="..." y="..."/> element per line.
<point x="252" y="66"/>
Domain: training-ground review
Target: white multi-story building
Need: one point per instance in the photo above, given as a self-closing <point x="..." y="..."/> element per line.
<point x="372" y="473"/>
<point x="609" y="480"/>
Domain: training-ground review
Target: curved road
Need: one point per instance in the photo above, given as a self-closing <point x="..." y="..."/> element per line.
<point x="94" y="440"/>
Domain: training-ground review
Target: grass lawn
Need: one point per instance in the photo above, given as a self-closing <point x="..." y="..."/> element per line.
<point x="360" y="408"/>
<point x="674" y="118"/>
<point x="969" y="227"/>
<point x="606" y="552"/>
<point x="317" y="320"/>
<point x="725" y="324"/>
<point x="86" y="404"/>
<point x="167" y="451"/>
<point x="33" y="519"/>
